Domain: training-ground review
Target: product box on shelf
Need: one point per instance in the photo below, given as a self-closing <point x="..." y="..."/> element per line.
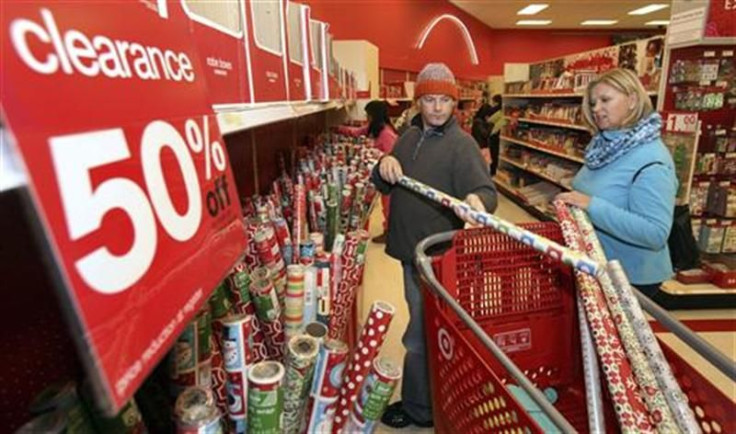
<point x="721" y="275"/>
<point x="266" y="26"/>
<point x="320" y="74"/>
<point x="298" y="51"/>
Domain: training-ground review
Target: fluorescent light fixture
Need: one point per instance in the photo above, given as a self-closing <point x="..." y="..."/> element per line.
<point x="533" y="9"/>
<point x="657" y="23"/>
<point x="533" y="22"/>
<point x="598" y="22"/>
<point x="654" y="7"/>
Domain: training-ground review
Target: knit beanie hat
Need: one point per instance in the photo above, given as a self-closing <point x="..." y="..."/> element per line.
<point x="435" y="79"/>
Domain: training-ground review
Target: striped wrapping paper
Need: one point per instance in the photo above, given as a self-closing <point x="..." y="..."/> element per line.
<point x="352" y="260"/>
<point x="628" y="404"/>
<point x="654" y="397"/>
<point x="294" y="300"/>
<point x="593" y="394"/>
<point x="360" y="361"/>
<point x="579" y="261"/>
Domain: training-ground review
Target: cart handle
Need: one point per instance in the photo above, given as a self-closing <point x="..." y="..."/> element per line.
<point x="424" y="264"/>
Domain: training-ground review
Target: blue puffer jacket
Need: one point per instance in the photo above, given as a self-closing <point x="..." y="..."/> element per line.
<point x="631" y="207"/>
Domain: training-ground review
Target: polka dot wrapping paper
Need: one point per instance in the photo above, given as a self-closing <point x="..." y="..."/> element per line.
<point x="631" y="412"/>
<point x="360" y="361"/>
<point x="328" y="376"/>
<point x="577" y="260"/>
<point x="352" y="263"/>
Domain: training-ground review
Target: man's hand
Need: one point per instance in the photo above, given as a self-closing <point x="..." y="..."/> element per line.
<point x="575" y="198"/>
<point x="474" y="201"/>
<point x="390" y="169"/>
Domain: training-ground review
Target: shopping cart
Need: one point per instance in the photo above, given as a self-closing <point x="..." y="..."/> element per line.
<point x="500" y="315"/>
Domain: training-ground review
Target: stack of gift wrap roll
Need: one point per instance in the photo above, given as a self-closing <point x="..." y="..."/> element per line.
<point x="270" y="345"/>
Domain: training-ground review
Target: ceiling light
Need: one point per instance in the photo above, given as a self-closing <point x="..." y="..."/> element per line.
<point x="533" y="9"/>
<point x="598" y="22"/>
<point x="648" y="9"/>
<point x="657" y="23"/>
<point x="533" y="22"/>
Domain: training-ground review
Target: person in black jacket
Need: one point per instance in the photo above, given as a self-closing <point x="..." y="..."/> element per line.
<point x="435" y="151"/>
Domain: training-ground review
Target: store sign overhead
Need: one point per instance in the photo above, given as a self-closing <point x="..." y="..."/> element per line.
<point x="127" y="172"/>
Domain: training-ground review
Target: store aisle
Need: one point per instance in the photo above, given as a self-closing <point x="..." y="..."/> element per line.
<point x="383" y="281"/>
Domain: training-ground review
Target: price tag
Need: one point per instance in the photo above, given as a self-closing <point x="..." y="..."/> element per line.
<point x="680" y="122"/>
<point x="128" y="173"/>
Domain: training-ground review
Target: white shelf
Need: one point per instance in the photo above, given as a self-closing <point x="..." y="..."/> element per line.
<point x="236" y="118"/>
<point x="545" y="150"/>
<point x="534" y="172"/>
<point x="550" y="123"/>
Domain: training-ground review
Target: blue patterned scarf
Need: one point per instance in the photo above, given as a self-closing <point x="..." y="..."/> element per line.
<point x="604" y="150"/>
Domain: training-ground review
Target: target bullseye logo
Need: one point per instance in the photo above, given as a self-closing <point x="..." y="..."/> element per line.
<point x="446" y="343"/>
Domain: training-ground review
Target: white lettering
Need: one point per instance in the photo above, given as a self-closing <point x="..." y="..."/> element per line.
<point x="79" y="48"/>
<point x="729" y="5"/>
<point x="18" y="31"/>
<point x="73" y="51"/>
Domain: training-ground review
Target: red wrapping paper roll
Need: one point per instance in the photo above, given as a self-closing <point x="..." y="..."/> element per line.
<point x="251" y="253"/>
<point x="300" y="215"/>
<point x="239" y="283"/>
<point x="352" y="260"/>
<point x="359" y="364"/>
<point x="270" y="255"/>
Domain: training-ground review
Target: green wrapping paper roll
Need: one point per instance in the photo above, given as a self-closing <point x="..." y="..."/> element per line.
<point x="300" y="358"/>
<point x="375" y="394"/>
<point x="333" y="223"/>
<point x="265" y="398"/>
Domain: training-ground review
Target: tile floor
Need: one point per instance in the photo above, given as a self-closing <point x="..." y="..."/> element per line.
<point x="383" y="281"/>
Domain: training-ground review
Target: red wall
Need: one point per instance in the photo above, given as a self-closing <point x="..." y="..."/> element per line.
<point x="396" y="25"/>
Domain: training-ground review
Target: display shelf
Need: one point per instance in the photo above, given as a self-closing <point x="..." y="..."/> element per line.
<point x="520" y="200"/>
<point x="549" y="123"/>
<point x="555" y="95"/>
<point x="543" y="149"/>
<point x="236" y="118"/>
<point x="534" y="172"/>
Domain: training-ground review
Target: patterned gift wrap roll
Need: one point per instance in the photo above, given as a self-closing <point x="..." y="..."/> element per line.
<point x="656" y="404"/>
<point x="190" y="359"/>
<point x="219" y="376"/>
<point x="630" y="409"/>
<point x="346" y="206"/>
<point x="219" y="307"/>
<point x="239" y="290"/>
<point x="316" y="330"/>
<point x="300" y="360"/>
<point x="356" y="214"/>
<point x="312" y="214"/>
<point x="333" y="223"/>
<point x="676" y="399"/>
<point x="294" y="301"/>
<point x="270" y="255"/>
<point x="353" y="258"/>
<point x="306" y="252"/>
<point x="323" y="287"/>
<point x="318" y="239"/>
<point x="300" y="215"/>
<point x="195" y="412"/>
<point x="359" y="364"/>
<point x="539" y="243"/>
<point x="265" y="398"/>
<point x="320" y="210"/>
<point x="325" y="390"/>
<point x="310" y="295"/>
<point x="238" y="357"/>
<point x="374" y="396"/>
<point x="281" y="229"/>
<point x="268" y="311"/>
<point x="251" y="253"/>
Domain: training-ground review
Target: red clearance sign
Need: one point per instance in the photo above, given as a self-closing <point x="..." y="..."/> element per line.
<point x="108" y="107"/>
<point x="721" y="19"/>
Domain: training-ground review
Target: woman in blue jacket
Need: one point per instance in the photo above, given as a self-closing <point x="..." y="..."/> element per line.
<point x="628" y="183"/>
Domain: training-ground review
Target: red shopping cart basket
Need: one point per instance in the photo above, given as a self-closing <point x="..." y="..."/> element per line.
<point x="499" y="313"/>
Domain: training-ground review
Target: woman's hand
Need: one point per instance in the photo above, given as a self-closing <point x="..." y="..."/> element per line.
<point x="578" y="199"/>
<point x="474" y="201"/>
<point x="390" y="169"/>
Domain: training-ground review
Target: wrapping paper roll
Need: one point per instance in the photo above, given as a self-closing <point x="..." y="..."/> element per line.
<point x="322" y="266"/>
<point x="325" y="390"/>
<point x="579" y="261"/>
<point x="281" y="229"/>
<point x="306" y="252"/>
<point x="591" y="370"/>
<point x="300" y="218"/>
<point x="320" y="209"/>
<point x="270" y="255"/>
<point x="239" y="283"/>
<point x="374" y="396"/>
<point x="316" y="330"/>
<point x="265" y="398"/>
<point x="318" y="239"/>
<point x="238" y="357"/>
<point x="191" y="357"/>
<point x="269" y="314"/>
<point x="360" y="361"/>
<point x="659" y="411"/>
<point x="346" y="205"/>
<point x="333" y="223"/>
<point x="310" y="295"/>
<point x="219" y="376"/>
<point x="352" y="260"/>
<point x="300" y="360"/>
<point x="312" y="214"/>
<point x="294" y="301"/>
<point x="195" y="411"/>
<point x="251" y="253"/>
<point x="630" y="410"/>
<point x="219" y="307"/>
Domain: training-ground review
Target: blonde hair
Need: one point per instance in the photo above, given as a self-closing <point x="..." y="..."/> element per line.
<point x="626" y="82"/>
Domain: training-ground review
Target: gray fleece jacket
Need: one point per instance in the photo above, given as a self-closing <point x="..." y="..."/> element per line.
<point x="445" y="158"/>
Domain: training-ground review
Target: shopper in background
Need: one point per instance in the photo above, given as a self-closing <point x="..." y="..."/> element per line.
<point x="497" y="120"/>
<point x="380" y="129"/>
<point x="628" y="182"/>
<point x="481" y="129"/>
<point x="434" y="150"/>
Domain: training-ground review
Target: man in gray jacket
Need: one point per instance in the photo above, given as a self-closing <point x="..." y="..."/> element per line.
<point x="437" y="152"/>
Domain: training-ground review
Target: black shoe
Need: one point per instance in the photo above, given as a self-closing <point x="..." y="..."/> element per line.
<point x="380" y="239"/>
<point x="396" y="417"/>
